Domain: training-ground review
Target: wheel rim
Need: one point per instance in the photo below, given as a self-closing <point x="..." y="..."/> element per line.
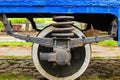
<point x="49" y="76"/>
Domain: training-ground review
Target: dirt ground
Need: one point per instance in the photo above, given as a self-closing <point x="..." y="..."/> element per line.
<point x="110" y="52"/>
<point x="97" y="51"/>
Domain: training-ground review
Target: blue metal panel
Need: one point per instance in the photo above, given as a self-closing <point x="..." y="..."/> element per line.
<point x="62" y="6"/>
<point x="57" y="6"/>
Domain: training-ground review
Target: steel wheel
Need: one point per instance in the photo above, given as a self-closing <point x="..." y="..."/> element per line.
<point x="78" y="65"/>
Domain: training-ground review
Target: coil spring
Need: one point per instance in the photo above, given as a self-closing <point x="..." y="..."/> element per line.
<point x="63" y="26"/>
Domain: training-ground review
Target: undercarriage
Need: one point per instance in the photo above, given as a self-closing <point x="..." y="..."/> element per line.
<point x="61" y="51"/>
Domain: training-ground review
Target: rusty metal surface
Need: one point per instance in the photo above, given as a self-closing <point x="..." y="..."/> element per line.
<point x="60" y="56"/>
<point x="63" y="26"/>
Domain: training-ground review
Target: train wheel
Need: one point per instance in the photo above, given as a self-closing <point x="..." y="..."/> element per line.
<point x="79" y="62"/>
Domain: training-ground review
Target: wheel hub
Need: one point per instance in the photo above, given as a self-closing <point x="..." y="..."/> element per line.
<point x="60" y="56"/>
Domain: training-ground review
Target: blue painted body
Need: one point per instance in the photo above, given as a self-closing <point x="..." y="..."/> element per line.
<point x="59" y="6"/>
<point x="62" y="6"/>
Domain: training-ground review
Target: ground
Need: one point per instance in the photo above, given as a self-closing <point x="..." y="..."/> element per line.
<point x="97" y="51"/>
<point x="108" y="52"/>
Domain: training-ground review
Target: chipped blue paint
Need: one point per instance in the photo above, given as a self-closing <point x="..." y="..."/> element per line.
<point x="62" y="6"/>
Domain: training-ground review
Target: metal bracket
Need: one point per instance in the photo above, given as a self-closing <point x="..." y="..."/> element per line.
<point x="114" y="28"/>
<point x="48" y="42"/>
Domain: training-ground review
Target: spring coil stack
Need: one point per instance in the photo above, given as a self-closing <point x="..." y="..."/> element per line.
<point x="63" y="27"/>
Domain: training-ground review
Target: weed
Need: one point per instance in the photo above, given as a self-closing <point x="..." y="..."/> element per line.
<point x="15" y="57"/>
<point x="109" y="43"/>
<point x="10" y="76"/>
<point x="90" y="78"/>
<point x="117" y="56"/>
<point x="12" y="62"/>
<point x="17" y="20"/>
<point x="97" y="57"/>
<point x="14" y="44"/>
<point x="42" y="20"/>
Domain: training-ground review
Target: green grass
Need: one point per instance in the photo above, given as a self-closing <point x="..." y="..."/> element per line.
<point x="17" y="20"/>
<point x="42" y="20"/>
<point x="11" y="62"/>
<point x="24" y="20"/>
<point x="15" y="57"/>
<point x="101" y="57"/>
<point x="14" y="44"/>
<point x="1" y="26"/>
<point x="109" y="43"/>
<point x="10" y="76"/>
<point x="90" y="78"/>
<point x="118" y="57"/>
<point x="97" y="57"/>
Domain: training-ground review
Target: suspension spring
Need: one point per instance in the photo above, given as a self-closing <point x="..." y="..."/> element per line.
<point x="63" y="26"/>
